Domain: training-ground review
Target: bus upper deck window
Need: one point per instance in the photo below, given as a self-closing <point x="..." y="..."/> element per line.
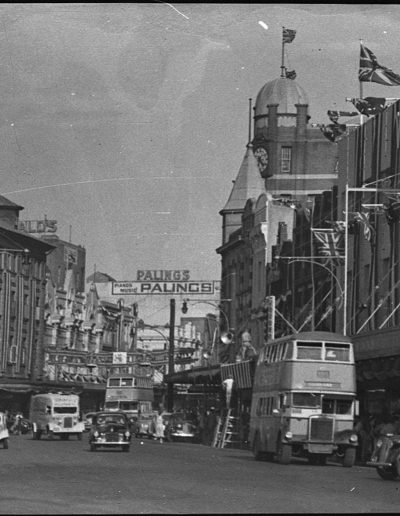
<point x="113" y="382"/>
<point x="338" y="353"/>
<point x="309" y="350"/>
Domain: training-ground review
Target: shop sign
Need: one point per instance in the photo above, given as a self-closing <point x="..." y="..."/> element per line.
<point x="162" y="287"/>
<point x="38" y="226"/>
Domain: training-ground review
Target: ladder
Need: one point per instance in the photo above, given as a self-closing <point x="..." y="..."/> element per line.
<point x="226" y="431"/>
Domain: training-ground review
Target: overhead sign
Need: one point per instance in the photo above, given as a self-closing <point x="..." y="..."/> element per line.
<point x="119" y="357"/>
<point x="38" y="226"/>
<point x="162" y="287"/>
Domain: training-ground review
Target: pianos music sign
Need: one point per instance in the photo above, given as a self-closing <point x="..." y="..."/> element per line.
<point x="162" y="282"/>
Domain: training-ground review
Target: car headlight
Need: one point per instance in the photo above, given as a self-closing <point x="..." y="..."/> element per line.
<point x="379" y="443"/>
<point x="353" y="438"/>
<point x="288" y="435"/>
<point x="127" y="434"/>
<point x="96" y="433"/>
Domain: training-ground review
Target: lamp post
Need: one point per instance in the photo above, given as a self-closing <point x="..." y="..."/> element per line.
<point x="215" y="305"/>
<point x="171" y="358"/>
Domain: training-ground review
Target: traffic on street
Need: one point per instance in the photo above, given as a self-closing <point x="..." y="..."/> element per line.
<point x="65" y="477"/>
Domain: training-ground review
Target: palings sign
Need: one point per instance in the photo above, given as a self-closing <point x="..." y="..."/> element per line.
<point x="162" y="282"/>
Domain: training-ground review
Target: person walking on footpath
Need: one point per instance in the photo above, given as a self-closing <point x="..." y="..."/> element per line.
<point x="211" y="423"/>
<point x="159" y="426"/>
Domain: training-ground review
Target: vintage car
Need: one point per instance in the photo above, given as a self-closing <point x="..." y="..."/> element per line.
<point x="386" y="456"/>
<point x="110" y="429"/>
<point x="3" y="430"/>
<point x="181" y="427"/>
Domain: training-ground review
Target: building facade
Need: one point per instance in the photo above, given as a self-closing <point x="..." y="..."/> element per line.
<point x="22" y="299"/>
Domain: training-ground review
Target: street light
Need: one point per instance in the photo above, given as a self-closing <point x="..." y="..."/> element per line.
<point x="215" y="305"/>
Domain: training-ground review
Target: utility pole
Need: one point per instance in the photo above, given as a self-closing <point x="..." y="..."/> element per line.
<point x="171" y="355"/>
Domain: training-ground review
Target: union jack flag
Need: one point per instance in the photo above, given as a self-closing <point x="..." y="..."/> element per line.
<point x="363" y="219"/>
<point x="371" y="71"/>
<point x="288" y="35"/>
<point x="330" y="243"/>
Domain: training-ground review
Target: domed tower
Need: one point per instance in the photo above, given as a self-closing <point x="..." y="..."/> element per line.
<point x="294" y="158"/>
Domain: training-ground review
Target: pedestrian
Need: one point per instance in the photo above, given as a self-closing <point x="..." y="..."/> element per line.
<point x="244" y="426"/>
<point x="211" y="423"/>
<point x="159" y="426"/>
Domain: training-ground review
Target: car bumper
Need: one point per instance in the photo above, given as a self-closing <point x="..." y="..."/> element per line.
<point x="379" y="464"/>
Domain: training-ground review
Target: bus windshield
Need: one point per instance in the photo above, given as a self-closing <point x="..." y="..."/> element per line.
<point x="112" y="405"/>
<point x="336" y="406"/>
<point x="306" y="399"/>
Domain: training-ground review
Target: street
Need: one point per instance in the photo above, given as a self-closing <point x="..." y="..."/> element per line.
<point x="64" y="477"/>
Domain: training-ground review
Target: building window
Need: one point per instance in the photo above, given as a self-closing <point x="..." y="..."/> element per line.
<point x="286" y="160"/>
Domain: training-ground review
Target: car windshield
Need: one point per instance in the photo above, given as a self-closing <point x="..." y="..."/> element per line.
<point x="112" y="418"/>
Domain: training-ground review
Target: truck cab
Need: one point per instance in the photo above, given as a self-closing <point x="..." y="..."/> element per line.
<point x="56" y="414"/>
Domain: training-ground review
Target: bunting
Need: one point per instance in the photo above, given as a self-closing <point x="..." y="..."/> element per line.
<point x="371" y="71"/>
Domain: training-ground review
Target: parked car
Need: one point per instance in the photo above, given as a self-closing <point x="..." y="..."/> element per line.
<point x="386" y="456"/>
<point x="182" y="427"/>
<point x="142" y="425"/>
<point x="3" y="430"/>
<point x="110" y="429"/>
<point x="87" y="420"/>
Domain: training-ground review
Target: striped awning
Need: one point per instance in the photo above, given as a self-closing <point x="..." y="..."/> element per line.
<point x="240" y="372"/>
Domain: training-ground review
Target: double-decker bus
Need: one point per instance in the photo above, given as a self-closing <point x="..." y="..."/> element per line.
<point x="304" y="399"/>
<point x="131" y="393"/>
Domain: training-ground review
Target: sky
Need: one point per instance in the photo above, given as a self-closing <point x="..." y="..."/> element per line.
<point x="127" y="122"/>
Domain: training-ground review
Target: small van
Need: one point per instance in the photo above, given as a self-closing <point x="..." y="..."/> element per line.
<point x="56" y="414"/>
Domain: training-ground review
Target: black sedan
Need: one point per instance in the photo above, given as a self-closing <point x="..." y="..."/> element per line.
<point x="110" y="429"/>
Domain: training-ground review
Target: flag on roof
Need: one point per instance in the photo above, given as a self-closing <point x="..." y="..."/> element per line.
<point x="330" y="242"/>
<point x="371" y="71"/>
<point x="288" y="35"/>
<point x="369" y="105"/>
<point x="290" y="74"/>
<point x="333" y="131"/>
<point x="334" y="115"/>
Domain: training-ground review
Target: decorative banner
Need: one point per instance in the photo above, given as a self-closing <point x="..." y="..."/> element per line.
<point x="119" y="357"/>
<point x="164" y="287"/>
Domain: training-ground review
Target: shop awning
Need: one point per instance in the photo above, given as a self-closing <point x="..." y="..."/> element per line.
<point x="240" y="372"/>
<point x="196" y="375"/>
<point x="16" y="388"/>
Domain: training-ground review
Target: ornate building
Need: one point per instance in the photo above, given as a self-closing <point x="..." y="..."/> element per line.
<point x="286" y="166"/>
<point x="22" y="299"/>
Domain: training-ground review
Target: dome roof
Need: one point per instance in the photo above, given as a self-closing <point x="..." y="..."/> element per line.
<point x="284" y="92"/>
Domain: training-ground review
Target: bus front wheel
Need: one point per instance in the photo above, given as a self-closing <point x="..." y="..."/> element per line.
<point x="258" y="454"/>
<point x="284" y="452"/>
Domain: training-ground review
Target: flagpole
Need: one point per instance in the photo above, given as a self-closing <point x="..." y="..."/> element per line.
<point x="283" y="56"/>
<point x="346" y="252"/>
<point x="360" y="82"/>
<point x="361" y="92"/>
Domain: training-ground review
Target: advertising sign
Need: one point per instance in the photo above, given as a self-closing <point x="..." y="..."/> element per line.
<point x="162" y="287"/>
<point x="119" y="357"/>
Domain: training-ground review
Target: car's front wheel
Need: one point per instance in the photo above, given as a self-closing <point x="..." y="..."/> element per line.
<point x="92" y="447"/>
<point x="125" y="447"/>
